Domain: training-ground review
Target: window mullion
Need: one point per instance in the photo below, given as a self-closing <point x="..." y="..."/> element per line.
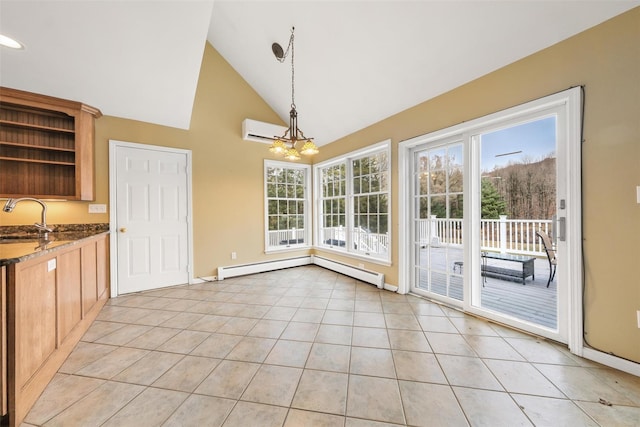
<point x="349" y="211"/>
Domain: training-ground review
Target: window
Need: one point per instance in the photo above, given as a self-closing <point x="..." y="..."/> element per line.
<point x="286" y="213"/>
<point x="353" y="203"/>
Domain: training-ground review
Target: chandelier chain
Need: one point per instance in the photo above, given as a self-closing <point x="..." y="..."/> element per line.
<point x="290" y="47"/>
<point x="293" y="134"/>
<point x="293" y="74"/>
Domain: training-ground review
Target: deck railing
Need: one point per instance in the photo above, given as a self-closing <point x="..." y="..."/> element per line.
<point x="363" y="240"/>
<point x="286" y="237"/>
<point x="516" y="236"/>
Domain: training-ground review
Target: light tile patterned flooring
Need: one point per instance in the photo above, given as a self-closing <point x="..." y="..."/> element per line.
<point x="309" y="347"/>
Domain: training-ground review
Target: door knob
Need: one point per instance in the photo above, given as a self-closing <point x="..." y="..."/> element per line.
<point x="123" y="230"/>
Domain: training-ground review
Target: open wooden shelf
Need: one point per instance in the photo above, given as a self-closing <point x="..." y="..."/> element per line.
<point x="36" y="147"/>
<point x="35" y="127"/>
<point x="48" y="162"/>
<point x="46" y="146"/>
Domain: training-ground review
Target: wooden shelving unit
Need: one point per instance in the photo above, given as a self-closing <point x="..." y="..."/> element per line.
<point x="46" y="146"/>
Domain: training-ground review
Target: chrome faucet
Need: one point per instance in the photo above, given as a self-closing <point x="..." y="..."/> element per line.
<point x="42" y="226"/>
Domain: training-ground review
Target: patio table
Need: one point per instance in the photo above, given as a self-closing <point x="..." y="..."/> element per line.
<point x="526" y="266"/>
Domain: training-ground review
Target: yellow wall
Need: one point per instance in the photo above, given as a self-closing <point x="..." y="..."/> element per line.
<point x="606" y="59"/>
<point x="228" y="183"/>
<point x="228" y="194"/>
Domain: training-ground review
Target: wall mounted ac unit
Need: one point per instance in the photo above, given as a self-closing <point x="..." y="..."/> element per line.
<point x="253" y="130"/>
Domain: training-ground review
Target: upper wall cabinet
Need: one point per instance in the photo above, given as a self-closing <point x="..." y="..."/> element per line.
<point x="46" y="147"/>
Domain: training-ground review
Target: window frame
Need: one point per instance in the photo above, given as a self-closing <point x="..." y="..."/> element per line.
<point x="347" y="160"/>
<point x="308" y="224"/>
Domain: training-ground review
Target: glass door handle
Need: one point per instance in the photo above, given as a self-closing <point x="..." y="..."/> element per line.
<point x="562" y="229"/>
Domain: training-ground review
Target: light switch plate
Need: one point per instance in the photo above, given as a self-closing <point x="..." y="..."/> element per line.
<point x="97" y="208"/>
<point x="638" y="194"/>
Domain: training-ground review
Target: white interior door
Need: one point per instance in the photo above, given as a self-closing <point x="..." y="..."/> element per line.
<point x="150" y="198"/>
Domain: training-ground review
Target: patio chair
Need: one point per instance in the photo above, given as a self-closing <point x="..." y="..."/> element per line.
<point x="551" y="254"/>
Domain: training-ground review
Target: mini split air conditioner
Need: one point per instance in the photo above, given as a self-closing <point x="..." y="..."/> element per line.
<point x="253" y="130"/>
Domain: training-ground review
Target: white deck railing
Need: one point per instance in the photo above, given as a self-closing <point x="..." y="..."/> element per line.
<point x="516" y="236"/>
<point x="285" y="237"/>
<point x="365" y="241"/>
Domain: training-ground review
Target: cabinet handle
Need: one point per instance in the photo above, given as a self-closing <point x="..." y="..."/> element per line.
<point x="123" y="230"/>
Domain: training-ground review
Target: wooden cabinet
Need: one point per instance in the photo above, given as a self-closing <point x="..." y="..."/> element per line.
<point x="88" y="255"/>
<point x="34" y="320"/>
<point x="102" y="268"/>
<point x="95" y="274"/>
<point x="69" y="295"/>
<point x="46" y="147"/>
<point x="3" y="337"/>
<point x="51" y="301"/>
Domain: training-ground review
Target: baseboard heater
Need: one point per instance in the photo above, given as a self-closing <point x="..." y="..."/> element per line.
<point x="261" y="267"/>
<point x="361" y="274"/>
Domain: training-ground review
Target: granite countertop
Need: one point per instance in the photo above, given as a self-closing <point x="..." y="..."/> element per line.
<point x="18" y="244"/>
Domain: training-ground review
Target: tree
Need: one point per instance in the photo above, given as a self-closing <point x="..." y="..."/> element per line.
<point x="493" y="204"/>
<point x="529" y="188"/>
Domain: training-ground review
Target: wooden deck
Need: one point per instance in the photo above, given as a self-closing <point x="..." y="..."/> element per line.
<point x="532" y="302"/>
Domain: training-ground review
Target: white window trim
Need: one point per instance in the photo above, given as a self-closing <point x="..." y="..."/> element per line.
<point x="307" y="207"/>
<point x="317" y="217"/>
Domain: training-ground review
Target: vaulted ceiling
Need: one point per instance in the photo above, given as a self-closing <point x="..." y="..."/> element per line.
<point x="356" y="62"/>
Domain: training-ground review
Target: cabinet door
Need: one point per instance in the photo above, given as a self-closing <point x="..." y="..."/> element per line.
<point x="69" y="292"/>
<point x="3" y="335"/>
<point x="35" y="317"/>
<point x="102" y="267"/>
<point x="89" y="277"/>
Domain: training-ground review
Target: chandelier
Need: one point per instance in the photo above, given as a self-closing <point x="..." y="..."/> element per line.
<point x="286" y="144"/>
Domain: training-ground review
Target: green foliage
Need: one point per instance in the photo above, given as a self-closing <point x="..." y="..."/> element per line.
<point x="285" y="194"/>
<point x="493" y="204"/>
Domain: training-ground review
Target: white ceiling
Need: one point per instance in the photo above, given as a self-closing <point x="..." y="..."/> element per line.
<point x="357" y="62"/>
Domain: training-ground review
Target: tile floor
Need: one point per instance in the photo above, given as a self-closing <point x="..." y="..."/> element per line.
<point x="309" y="347"/>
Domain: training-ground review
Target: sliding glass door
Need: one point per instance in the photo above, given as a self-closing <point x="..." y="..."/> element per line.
<point x="438" y="208"/>
<point x="517" y="179"/>
<point x="490" y="210"/>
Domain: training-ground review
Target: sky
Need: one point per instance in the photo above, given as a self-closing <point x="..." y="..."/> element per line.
<point x="534" y="140"/>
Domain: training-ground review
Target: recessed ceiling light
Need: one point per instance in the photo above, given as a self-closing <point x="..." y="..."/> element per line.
<point x="9" y="42"/>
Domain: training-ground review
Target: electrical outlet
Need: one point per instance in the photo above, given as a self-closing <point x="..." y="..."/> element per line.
<point x="361" y="266"/>
<point x="51" y="264"/>
<point x="97" y="208"/>
<point x="234" y="255"/>
<point x="638" y="315"/>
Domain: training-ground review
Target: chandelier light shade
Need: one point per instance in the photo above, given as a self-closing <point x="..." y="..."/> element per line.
<point x="286" y="144"/>
<point x="278" y="147"/>
<point x="292" y="154"/>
